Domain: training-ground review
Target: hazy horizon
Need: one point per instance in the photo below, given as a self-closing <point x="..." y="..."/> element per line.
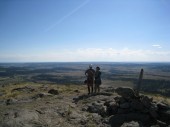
<point x="91" y="62"/>
<point x="84" y="30"/>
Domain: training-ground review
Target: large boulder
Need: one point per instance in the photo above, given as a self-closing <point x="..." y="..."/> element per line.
<point x="125" y="105"/>
<point x="136" y="105"/>
<point x="153" y="111"/>
<point x="96" y="107"/>
<point x="146" y="101"/>
<point x="123" y="111"/>
<point x="112" y="108"/>
<point x="125" y="92"/>
<point x="164" y="115"/>
<point x="162" y="106"/>
<point x="119" y="119"/>
<point x="131" y="124"/>
<point x="120" y="100"/>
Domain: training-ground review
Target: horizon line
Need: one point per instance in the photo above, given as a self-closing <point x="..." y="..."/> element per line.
<point x="88" y="62"/>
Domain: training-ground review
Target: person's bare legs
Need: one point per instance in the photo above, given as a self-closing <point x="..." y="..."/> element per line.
<point x="91" y="88"/>
<point x="95" y="88"/>
<point x="88" y="88"/>
<point x="98" y="88"/>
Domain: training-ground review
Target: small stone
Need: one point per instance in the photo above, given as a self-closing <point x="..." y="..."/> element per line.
<point x="41" y="95"/>
<point x="10" y="101"/>
<point x="53" y="91"/>
<point x="77" y="91"/>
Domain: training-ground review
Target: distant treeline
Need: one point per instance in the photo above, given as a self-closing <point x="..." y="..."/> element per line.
<point x="11" y="71"/>
<point x="58" y="79"/>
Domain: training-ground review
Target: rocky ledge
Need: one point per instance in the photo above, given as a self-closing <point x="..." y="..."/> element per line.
<point x="127" y="107"/>
<point x="56" y="107"/>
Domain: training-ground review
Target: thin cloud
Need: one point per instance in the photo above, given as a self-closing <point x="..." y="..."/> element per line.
<point x="157" y="46"/>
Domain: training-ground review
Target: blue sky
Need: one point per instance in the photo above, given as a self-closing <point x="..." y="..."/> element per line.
<point x="84" y="30"/>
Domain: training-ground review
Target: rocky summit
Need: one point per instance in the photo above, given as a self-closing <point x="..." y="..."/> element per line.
<point x="37" y="105"/>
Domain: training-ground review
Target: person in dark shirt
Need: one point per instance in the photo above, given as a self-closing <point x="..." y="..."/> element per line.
<point x="97" y="80"/>
<point x="90" y="73"/>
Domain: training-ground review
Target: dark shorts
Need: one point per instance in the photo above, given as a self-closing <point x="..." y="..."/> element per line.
<point x="90" y="81"/>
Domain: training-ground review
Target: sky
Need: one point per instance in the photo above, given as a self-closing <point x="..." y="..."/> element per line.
<point x="84" y="30"/>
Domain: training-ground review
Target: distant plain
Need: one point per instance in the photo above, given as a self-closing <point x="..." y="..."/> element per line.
<point x="156" y="77"/>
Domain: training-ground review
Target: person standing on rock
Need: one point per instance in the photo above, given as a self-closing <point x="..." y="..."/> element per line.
<point x="90" y="73"/>
<point x="97" y="80"/>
